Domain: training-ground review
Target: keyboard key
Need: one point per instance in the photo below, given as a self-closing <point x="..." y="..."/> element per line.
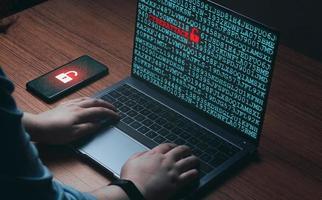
<point x="195" y="127"/>
<point x="164" y="114"/>
<point x="187" y="128"/>
<point x="151" y="134"/>
<point x="182" y="124"/>
<point x="159" y="139"/>
<point x="131" y="89"/>
<point x="176" y="123"/>
<point x="108" y="98"/>
<point x="123" y="99"/>
<point x="155" y="127"/>
<point x="130" y="103"/>
<point x="145" y="112"/>
<point x="210" y="136"/>
<point x="142" y="101"/>
<point x="168" y="126"/>
<point x="149" y="105"/>
<point x="152" y="116"/>
<point x="193" y="140"/>
<point x="132" y="113"/>
<point x="117" y="104"/>
<point x="161" y="121"/>
<point x="177" y="131"/>
<point x="125" y="92"/>
<point x="122" y="115"/>
<point x="124" y="87"/>
<point x="196" y="152"/>
<point x="127" y="120"/>
<point x="135" y="125"/>
<point x="156" y="109"/>
<point x="214" y="142"/>
<point x="171" y="137"/>
<point x="143" y="129"/>
<point x="211" y="150"/>
<point x="147" y="122"/>
<point x="203" y="144"/>
<point x="184" y="135"/>
<point x="124" y="109"/>
<point x="172" y="116"/>
<point x="163" y="132"/>
<point x="115" y="94"/>
<point x="180" y="141"/>
<point x="137" y="108"/>
<point x="205" y="157"/>
<point x="134" y="96"/>
<point x="204" y="167"/>
<point x="140" y="118"/>
<point x="218" y="159"/>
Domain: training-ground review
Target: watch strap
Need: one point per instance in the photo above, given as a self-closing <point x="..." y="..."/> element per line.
<point x="129" y="188"/>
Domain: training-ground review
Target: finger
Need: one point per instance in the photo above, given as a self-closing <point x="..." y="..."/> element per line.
<point x="179" y="152"/>
<point x="75" y="100"/>
<point x="96" y="114"/>
<point x="80" y="99"/>
<point x="163" y="148"/>
<point x="86" y="129"/>
<point x="188" y="177"/>
<point x="92" y="102"/>
<point x="188" y="163"/>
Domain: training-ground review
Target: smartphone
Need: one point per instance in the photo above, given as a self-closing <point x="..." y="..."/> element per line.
<point x="67" y="78"/>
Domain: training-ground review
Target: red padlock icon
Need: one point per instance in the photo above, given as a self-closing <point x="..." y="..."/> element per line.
<point x="194" y="35"/>
<point x="64" y="77"/>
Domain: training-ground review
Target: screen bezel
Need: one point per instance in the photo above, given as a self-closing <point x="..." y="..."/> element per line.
<point x="203" y="113"/>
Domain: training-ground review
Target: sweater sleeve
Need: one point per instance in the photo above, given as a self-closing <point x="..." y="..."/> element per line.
<point x="22" y="174"/>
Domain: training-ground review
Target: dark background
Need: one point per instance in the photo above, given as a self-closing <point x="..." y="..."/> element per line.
<point x="299" y="21"/>
<point x="8" y="7"/>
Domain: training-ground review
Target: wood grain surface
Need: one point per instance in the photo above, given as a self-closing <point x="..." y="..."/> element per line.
<point x="57" y="31"/>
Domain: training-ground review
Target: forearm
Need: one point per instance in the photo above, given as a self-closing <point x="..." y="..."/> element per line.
<point x="23" y="176"/>
<point x="29" y="122"/>
<point x="111" y="192"/>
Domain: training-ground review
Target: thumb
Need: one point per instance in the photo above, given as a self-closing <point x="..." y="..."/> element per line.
<point x="85" y="129"/>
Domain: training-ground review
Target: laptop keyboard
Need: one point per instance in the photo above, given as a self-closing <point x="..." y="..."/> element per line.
<point x="161" y="125"/>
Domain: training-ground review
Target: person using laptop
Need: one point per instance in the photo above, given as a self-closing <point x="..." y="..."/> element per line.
<point x="199" y="77"/>
<point x="154" y="174"/>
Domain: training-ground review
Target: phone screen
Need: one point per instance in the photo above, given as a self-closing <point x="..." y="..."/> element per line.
<point x="67" y="78"/>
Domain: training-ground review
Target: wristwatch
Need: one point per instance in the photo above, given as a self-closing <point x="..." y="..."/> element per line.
<point x="129" y="188"/>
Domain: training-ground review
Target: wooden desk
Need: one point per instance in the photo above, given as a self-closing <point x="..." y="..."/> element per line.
<point x="58" y="31"/>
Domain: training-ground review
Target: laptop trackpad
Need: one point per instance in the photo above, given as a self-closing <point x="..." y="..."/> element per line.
<point x="111" y="148"/>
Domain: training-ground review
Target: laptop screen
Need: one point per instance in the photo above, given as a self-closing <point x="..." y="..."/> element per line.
<point x="214" y="59"/>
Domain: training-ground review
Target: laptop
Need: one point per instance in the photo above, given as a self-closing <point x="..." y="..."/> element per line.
<point x="200" y="77"/>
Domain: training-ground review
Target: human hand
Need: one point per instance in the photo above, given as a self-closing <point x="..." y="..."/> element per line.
<point x="69" y="121"/>
<point x="162" y="171"/>
<point x="6" y="23"/>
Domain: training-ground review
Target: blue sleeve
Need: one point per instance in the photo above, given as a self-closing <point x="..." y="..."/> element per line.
<point x="22" y="174"/>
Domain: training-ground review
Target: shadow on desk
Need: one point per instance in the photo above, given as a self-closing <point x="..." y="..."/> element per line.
<point x="56" y="156"/>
